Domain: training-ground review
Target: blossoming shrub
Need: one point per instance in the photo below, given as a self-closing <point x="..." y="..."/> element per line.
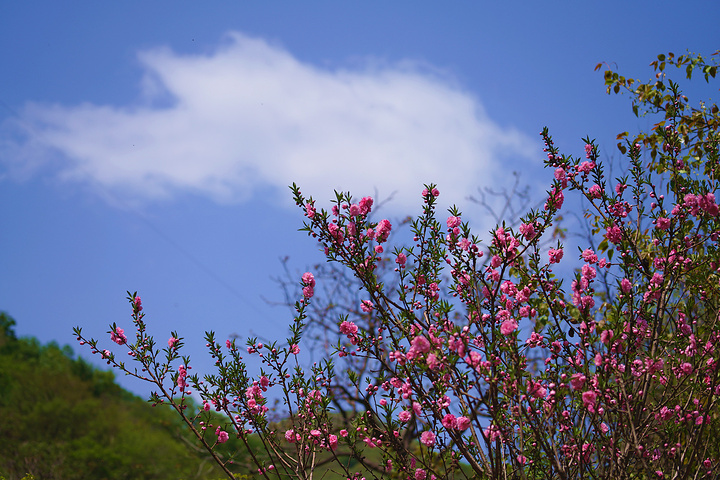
<point x="485" y="363"/>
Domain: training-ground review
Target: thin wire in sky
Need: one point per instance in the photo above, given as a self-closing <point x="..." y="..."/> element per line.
<point x="151" y="225"/>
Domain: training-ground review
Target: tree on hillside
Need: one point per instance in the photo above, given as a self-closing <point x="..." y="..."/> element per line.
<point x="478" y="359"/>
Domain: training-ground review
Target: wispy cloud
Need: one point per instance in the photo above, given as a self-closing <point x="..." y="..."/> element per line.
<point x="252" y="118"/>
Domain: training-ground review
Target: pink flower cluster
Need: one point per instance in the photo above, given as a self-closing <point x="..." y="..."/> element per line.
<point x="181" y="378"/>
<point x="222" y="435"/>
<point x="137" y="304"/>
<point x="349" y="329"/>
<point x="556" y="254"/>
<point x="308" y="281"/>
<point x="118" y="336"/>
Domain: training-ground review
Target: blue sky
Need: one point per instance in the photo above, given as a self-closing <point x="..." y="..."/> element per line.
<point x="148" y="145"/>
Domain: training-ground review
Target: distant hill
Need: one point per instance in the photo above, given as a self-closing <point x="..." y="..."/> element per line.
<point x="62" y="418"/>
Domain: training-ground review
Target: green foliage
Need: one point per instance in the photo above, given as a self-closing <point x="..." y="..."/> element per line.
<point x="62" y="418"/>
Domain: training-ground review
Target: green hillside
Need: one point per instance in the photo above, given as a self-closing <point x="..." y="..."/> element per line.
<point x="62" y="418"/>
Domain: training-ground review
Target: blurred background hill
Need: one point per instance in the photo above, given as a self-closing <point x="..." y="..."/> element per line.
<point x="63" y="418"/>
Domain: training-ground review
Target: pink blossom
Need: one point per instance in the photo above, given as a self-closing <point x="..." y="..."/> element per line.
<point x="433" y="291"/>
<point x="589" y="399"/>
<point x="222" y="435"/>
<point x="588" y="272"/>
<point x="708" y="204"/>
<point x="332" y="441"/>
<point x="449" y="421"/>
<point x="508" y="326"/>
<point x="308" y="279"/>
<point x="662" y="223"/>
<point x="463" y="423"/>
<point x="626" y="285"/>
<point x="421" y="344"/>
<point x="308" y="291"/>
<point x="589" y="256"/>
<point x="432" y="361"/>
<point x="137" y="304"/>
<point x="366" y="205"/>
<point x="595" y="191"/>
<point x="657" y="279"/>
<point x="294" y="349"/>
<point x="401" y="259"/>
<point x="420" y="474"/>
<point x="371" y="442"/>
<point x="427" y="438"/>
<point x="586" y="167"/>
<point x="343" y="433"/>
<point x="366" y="306"/>
<point x="434" y="192"/>
<point x="614" y="234"/>
<point x="118" y="336"/>
<point x="524" y="294"/>
<point x="404" y="416"/>
<point x="588" y="150"/>
<point x="555" y="255"/>
<point x="453" y="222"/>
<point x="577" y="380"/>
<point x="382" y="231"/>
<point x="528" y="230"/>
<point x="310" y="210"/>
<point x="492" y="432"/>
<point x="172" y="342"/>
<point x="182" y="375"/>
<point x="556" y="198"/>
<point x="536" y="389"/>
<point x="508" y="288"/>
<point x="336" y="232"/>
<point x="348" y="328"/>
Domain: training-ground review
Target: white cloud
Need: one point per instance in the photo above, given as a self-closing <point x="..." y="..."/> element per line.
<point x="251" y="117"/>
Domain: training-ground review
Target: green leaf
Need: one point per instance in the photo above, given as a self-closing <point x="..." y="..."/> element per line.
<point x="603" y="245"/>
